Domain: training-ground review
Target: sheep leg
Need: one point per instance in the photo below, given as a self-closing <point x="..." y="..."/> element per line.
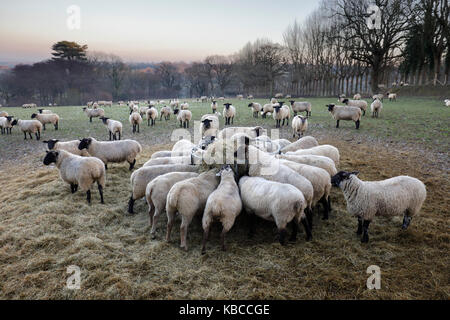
<point x="324" y="202"/>
<point x="31" y="137"/>
<point x="309" y="216"/>
<point x="25" y="134"/>
<point x="365" y="236"/>
<point x="155" y="216"/>
<point x="293" y="236"/>
<point x="138" y="127"/>
<point x="187" y="123"/>
<point x="359" y="231"/>
<point x="110" y="135"/>
<point x="337" y="123"/>
<point x="38" y="135"/>
<point x="131" y="205"/>
<point x="148" y="122"/>
<point x="307" y="229"/>
<point x="364" y="112"/>
<point x="72" y="188"/>
<point x="170" y="221"/>
<point x="88" y="196"/>
<point x="90" y="119"/>
<point x="44" y="126"/>
<point x="357" y="124"/>
<point x="132" y="164"/>
<point x="119" y="135"/>
<point x="282" y="236"/>
<point x="56" y="126"/>
<point x="185" y="221"/>
<point x="222" y="239"/>
<point x="181" y="123"/>
<point x="232" y="120"/>
<point x="100" y="190"/>
<point x="205" y="238"/>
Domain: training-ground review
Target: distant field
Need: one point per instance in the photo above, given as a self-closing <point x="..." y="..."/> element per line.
<point x="44" y="228"/>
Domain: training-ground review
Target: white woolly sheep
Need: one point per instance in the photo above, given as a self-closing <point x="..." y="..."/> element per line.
<point x="209" y="125"/>
<point x="29" y="126"/>
<point x="252" y="132"/>
<point x="156" y="194"/>
<point x="362" y="104"/>
<point x="184" y="116"/>
<point x="44" y="111"/>
<point x="313" y="160"/>
<point x="214" y="106"/>
<point x="402" y="195"/>
<point x="69" y="146"/>
<point x="357" y="97"/>
<point x="94" y="113"/>
<point x="224" y="204"/>
<point x="256" y="108"/>
<point x="114" y="127"/>
<point x="184" y="106"/>
<point x="345" y="113"/>
<point x="229" y="112"/>
<point x="152" y="114"/>
<point x="78" y="171"/>
<point x="47" y="118"/>
<point x="302" y="143"/>
<point x="166" y="112"/>
<point x="135" y="120"/>
<point x="301" y="106"/>
<point x="239" y="96"/>
<point x="279" y="95"/>
<point x="112" y="151"/>
<point x="6" y="124"/>
<point x="3" y="114"/>
<point x="273" y="101"/>
<point x="183" y="145"/>
<point x="281" y="112"/>
<point x="141" y="177"/>
<point x="299" y="126"/>
<point x="392" y="96"/>
<point x="188" y="198"/>
<point x="281" y="203"/>
<point x="376" y="107"/>
<point x="325" y="150"/>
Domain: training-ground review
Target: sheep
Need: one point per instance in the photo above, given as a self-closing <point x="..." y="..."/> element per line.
<point x="133" y="108"/>
<point x="256" y="108"/>
<point x="184" y="159"/>
<point x="378" y="96"/>
<point x="288" y="96"/>
<point x="183" y="145"/>
<point x="78" y="171"/>
<point x="229" y="112"/>
<point x="267" y="109"/>
<point x="279" y="95"/>
<point x="135" y="120"/>
<point x="204" y="98"/>
<point x="142" y="176"/>
<point x="357" y="97"/>
<point x="29" y="126"/>
<point x="45" y="111"/>
<point x="114" y="127"/>
<point x="281" y="112"/>
<point x="188" y="198"/>
<point x="3" y="114"/>
<point x="281" y="142"/>
<point x="302" y="143"/>
<point x="209" y="125"/>
<point x="166" y="112"/>
<point x="223" y="204"/>
<point x="6" y="124"/>
<point x="143" y="111"/>
<point x="447" y="102"/>
<point x="95" y="105"/>
<point x="250" y="96"/>
<point x="94" y="113"/>
<point x="169" y="154"/>
<point x="325" y="150"/>
<point x="300" y="106"/>
<point x="152" y="114"/>
<point x="214" y="106"/>
<point x="263" y="166"/>
<point x="273" y="101"/>
<point x="320" y="180"/>
<point x="392" y="96"/>
<point x="69" y="146"/>
<point x="299" y="126"/>
<point x="281" y="203"/>
<point x="239" y="96"/>
<point x="376" y="107"/>
<point x="156" y="194"/>
<point x="221" y="98"/>
<point x="184" y="106"/>
<point x="313" y="160"/>
<point x="401" y="195"/>
<point x="47" y="118"/>
<point x="356" y="103"/>
<point x="174" y="104"/>
<point x="112" y="151"/>
<point x="345" y="113"/>
<point x="252" y="132"/>
<point x="184" y="116"/>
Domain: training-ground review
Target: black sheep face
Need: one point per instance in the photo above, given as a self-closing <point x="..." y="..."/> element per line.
<point x="277" y="109"/>
<point x="330" y="107"/>
<point x="104" y="119"/>
<point x="14" y="122"/>
<point x="207" y="123"/>
<point x="292" y="102"/>
<point x="227" y="105"/>
<point x="281" y="103"/>
<point x="33" y="115"/>
<point x="250" y="105"/>
<point x="345" y="101"/>
<point x="51" y="157"/>
<point x="50" y="143"/>
<point x="40" y="110"/>
<point x="341" y="176"/>
<point x="84" y="143"/>
<point x="176" y="111"/>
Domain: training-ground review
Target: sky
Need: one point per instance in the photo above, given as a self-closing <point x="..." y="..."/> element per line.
<point x="144" y="31"/>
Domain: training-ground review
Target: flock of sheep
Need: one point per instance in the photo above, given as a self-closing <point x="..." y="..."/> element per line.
<point x="231" y="170"/>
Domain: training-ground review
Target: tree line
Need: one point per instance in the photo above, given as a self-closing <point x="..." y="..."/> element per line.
<point x="345" y="46"/>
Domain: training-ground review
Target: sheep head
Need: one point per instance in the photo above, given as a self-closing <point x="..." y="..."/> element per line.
<point x="341" y="176"/>
<point x="50" y="157"/>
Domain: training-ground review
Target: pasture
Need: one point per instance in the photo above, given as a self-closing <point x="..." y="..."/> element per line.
<point x="44" y="228"/>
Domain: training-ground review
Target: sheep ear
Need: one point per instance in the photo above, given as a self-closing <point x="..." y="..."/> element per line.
<point x="45" y="141"/>
<point x="355" y="173"/>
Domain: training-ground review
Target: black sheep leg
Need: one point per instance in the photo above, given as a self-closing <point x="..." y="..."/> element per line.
<point x="100" y="190"/>
<point x="294" y="224"/>
<point x="365" y="236"/>
<point x="307" y="227"/>
<point x="359" y="231"/>
<point x="131" y="205"/>
<point x="132" y="164"/>
<point x="88" y="196"/>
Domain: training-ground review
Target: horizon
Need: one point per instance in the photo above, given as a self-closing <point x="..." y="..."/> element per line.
<point x="183" y="32"/>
